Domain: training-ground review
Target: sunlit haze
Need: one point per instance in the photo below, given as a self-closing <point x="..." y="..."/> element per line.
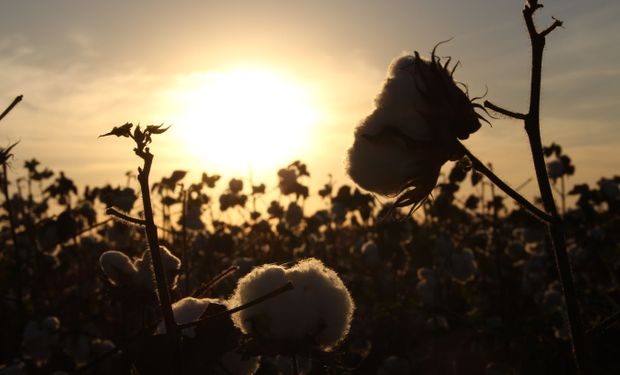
<point x="245" y="119"/>
<point x="249" y="87"/>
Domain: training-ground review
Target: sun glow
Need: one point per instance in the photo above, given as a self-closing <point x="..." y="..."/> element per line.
<point x="246" y="118"/>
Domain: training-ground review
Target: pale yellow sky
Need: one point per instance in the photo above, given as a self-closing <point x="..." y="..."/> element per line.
<point x="85" y="66"/>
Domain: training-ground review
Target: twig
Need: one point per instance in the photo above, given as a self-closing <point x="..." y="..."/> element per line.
<point x="204" y="288"/>
<point x="604" y="325"/>
<point x="285" y="288"/>
<point x="480" y="167"/>
<point x="113" y="211"/>
<point x="11" y="106"/>
<point x="505" y="112"/>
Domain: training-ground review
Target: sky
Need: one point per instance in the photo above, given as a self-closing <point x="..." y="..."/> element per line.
<point x="86" y="66"/>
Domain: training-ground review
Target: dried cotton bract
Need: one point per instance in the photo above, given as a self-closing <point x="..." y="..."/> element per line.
<point x="318" y="309"/>
<point x="419" y="115"/>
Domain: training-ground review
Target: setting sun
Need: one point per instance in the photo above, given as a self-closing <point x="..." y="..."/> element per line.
<point x="246" y="118"/>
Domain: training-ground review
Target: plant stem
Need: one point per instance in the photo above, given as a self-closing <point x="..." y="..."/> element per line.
<point x="151" y="234"/>
<point x="532" y="128"/>
<point x="185" y="260"/>
<point x="11" y="106"/>
<point x="18" y="258"/>
<point x="480" y="167"/>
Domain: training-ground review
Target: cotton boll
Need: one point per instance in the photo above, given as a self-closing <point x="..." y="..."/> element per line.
<point x="117" y="267"/>
<point x="370" y="254"/>
<point x="323" y="291"/>
<point x="463" y="266"/>
<point x="400" y="147"/>
<point x="187" y="310"/>
<point x="144" y="265"/>
<point x="319" y="307"/>
<point x="426" y="286"/>
<point x="39" y="338"/>
<point x="383" y="165"/>
<point x="236" y="364"/>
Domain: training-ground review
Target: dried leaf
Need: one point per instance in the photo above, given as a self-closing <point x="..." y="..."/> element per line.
<point x="120" y="131"/>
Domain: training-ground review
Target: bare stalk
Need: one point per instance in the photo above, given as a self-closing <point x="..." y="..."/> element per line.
<point x="18" y="258"/>
<point x="556" y="231"/>
<point x="151" y="234"/>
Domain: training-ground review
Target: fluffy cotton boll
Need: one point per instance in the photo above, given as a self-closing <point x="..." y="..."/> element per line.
<point x="370" y="254"/>
<point x="144" y="265"/>
<point x="258" y="282"/>
<point x="383" y="165"/>
<point x="319" y="307"/>
<point x="117" y="267"/>
<point x="426" y="286"/>
<point x="236" y="364"/>
<point x="187" y="310"/>
<point x="294" y="214"/>
<point x="39" y="338"/>
<point x="326" y="300"/>
<point x="464" y="266"/>
<point x="401" y="146"/>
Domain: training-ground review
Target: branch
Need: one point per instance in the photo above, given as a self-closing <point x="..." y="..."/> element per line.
<point x="11" y="106"/>
<point x="480" y="167"/>
<point x="285" y="288"/>
<point x="204" y="288"/>
<point x="505" y="112"/>
<point x="604" y="325"/>
<point x="113" y="211"/>
<point x="557" y="23"/>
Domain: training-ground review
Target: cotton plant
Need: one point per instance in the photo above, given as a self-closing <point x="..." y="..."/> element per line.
<point x="316" y="314"/>
<point x="419" y="120"/>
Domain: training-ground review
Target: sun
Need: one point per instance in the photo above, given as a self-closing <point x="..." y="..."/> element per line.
<point x="246" y="119"/>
